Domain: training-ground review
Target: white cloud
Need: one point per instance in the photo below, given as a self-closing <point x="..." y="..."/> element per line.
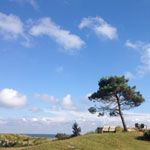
<point x="64" y="103"/>
<point x="100" y="27"/>
<point x="67" y="40"/>
<point x="10" y="26"/>
<point x="143" y="49"/>
<point x="33" y="3"/>
<point x="61" y="121"/>
<point x="46" y="97"/>
<point x="130" y="44"/>
<point x="34" y="119"/>
<point x="67" y="103"/>
<point x="71" y="115"/>
<point x="11" y="98"/>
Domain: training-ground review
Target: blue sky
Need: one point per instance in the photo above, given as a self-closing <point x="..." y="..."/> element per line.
<point x="52" y="54"/>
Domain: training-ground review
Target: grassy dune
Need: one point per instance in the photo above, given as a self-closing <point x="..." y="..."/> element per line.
<point x="110" y="141"/>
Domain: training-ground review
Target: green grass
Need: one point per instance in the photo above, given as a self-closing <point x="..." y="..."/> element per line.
<point x="110" y="141"/>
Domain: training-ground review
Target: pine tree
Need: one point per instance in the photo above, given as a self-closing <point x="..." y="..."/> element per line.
<point x="76" y="129"/>
<point x="115" y="95"/>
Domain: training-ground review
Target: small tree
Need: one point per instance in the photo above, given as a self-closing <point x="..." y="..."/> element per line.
<point x="76" y="129"/>
<point x="115" y="95"/>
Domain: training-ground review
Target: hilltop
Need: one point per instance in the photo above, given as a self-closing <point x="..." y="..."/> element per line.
<point x="110" y="141"/>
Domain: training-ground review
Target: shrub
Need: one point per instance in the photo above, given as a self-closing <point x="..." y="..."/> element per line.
<point x="61" y="136"/>
<point x="7" y="143"/>
<point x="146" y="135"/>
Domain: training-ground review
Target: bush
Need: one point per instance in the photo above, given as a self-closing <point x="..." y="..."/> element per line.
<point x="146" y="135"/>
<point x="61" y="136"/>
<point x="7" y="143"/>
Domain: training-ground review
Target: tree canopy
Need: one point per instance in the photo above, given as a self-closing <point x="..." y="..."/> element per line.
<point x="115" y="95"/>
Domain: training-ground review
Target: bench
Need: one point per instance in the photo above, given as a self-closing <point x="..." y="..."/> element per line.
<point x="108" y="129"/>
<point x="112" y="129"/>
<point x="105" y="129"/>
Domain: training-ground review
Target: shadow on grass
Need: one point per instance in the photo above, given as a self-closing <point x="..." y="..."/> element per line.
<point x="142" y="138"/>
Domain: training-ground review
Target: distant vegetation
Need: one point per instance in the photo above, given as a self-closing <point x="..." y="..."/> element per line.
<point x="61" y="136"/>
<point x="15" y="140"/>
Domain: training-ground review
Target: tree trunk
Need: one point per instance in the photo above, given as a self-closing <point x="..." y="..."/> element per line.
<point x="123" y="122"/>
<point x="121" y="115"/>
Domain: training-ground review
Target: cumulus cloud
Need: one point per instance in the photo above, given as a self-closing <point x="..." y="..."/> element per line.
<point x="10" y="26"/>
<point x="143" y="49"/>
<point x="67" y="40"/>
<point x="11" y="98"/>
<point x="67" y="103"/>
<point x="100" y="27"/>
